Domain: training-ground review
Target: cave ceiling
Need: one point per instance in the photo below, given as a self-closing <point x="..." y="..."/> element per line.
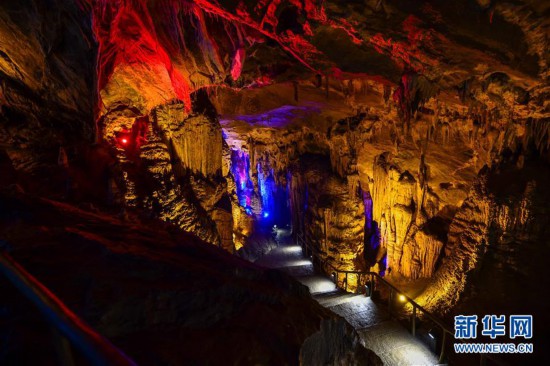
<point x="153" y="51"/>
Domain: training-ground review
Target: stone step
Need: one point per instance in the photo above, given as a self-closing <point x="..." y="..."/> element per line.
<point x="283" y="256"/>
<point x="337" y="298"/>
<point x="299" y="270"/>
<point x="323" y="298"/>
<point x="318" y="284"/>
<point x="395" y="345"/>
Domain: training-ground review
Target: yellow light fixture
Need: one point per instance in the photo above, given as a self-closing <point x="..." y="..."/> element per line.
<point x="402" y="298"/>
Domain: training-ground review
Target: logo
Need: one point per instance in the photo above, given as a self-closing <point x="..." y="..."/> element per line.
<point x="521" y="326"/>
<point x="466" y="326"/>
<point x="493" y="327"/>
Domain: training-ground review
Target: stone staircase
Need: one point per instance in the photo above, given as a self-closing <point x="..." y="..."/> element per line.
<point x="386" y="337"/>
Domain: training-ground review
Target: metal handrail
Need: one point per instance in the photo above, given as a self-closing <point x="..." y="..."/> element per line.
<point x="444" y="327"/>
<point x="432" y="317"/>
<point x="97" y="349"/>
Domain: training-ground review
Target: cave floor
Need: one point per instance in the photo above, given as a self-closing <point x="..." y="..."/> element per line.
<point x="386" y="337"/>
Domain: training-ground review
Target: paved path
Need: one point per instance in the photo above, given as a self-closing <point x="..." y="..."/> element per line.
<point x="387" y="338"/>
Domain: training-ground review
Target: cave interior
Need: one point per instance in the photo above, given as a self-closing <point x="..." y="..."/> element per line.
<point x="272" y="182"/>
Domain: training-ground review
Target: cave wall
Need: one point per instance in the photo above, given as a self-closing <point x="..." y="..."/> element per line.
<point x="47" y="85"/>
<point x="172" y="166"/>
<point x="500" y="228"/>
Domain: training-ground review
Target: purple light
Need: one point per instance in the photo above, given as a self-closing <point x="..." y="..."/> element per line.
<point x="372" y="232"/>
<point x="240" y="167"/>
<point x="279" y="117"/>
<point x="367" y="202"/>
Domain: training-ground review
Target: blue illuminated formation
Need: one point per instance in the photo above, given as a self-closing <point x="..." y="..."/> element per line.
<point x="273" y="198"/>
<point x="240" y="167"/>
<point x="267" y="188"/>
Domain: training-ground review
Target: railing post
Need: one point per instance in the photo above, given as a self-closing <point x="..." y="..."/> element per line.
<point x="442" y="353"/>
<point x="414" y="321"/>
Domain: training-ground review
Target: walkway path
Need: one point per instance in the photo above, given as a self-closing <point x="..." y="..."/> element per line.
<point x="386" y="337"/>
